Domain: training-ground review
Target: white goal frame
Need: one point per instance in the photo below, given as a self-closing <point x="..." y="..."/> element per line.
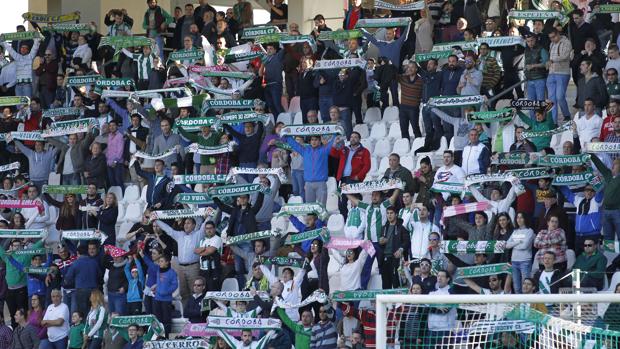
<point x="384" y="299"/>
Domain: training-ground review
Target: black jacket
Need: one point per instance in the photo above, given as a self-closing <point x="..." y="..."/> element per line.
<point x="557" y="275"/>
<point x="97" y="169"/>
<point x="306" y="87"/>
<point x="400" y="239"/>
<point x="248" y="216"/>
<point x="193" y="309"/>
<point x="249" y="146"/>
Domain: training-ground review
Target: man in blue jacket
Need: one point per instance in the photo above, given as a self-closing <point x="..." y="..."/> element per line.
<point x="158" y="190"/>
<point x="84" y="273"/>
<point x="315" y="166"/>
<point x="450" y="77"/>
<point x="273" y="77"/>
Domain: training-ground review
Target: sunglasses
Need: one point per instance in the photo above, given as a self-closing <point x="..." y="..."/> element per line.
<point x="587" y="245"/>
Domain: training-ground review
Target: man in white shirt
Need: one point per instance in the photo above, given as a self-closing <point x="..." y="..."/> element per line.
<point x="292" y="287"/>
<point x="186" y="264"/>
<point x="420" y="229"/>
<point x="56" y="320"/>
<point x="449" y="172"/>
<point x="476" y="156"/>
<point x="588" y="123"/>
<point x="36" y="217"/>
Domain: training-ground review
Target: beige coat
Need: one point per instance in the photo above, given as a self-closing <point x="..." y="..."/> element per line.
<point x="560" y="54"/>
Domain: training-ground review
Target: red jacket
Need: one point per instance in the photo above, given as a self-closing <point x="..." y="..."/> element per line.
<point x="360" y="162"/>
<point x="607" y="127"/>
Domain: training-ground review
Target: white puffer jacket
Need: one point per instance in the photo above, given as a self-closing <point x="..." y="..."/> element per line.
<point x="23" y="62"/>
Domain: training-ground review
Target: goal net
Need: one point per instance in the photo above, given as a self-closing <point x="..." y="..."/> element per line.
<point x="549" y="321"/>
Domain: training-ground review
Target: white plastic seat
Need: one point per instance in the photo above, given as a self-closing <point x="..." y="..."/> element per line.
<point x="401" y="147"/>
<point x="615" y="280"/>
<point x="451" y="146"/>
<point x="122" y="233"/>
<point x="331" y="204"/>
<point x="570" y="259"/>
<point x="298" y="119"/>
<point x="117" y="191"/>
<point x="368" y="144"/>
<point x="285" y="118"/>
<point x="417" y="144"/>
<point x="383" y="165"/>
<point x="295" y="200"/>
<point x="335" y="224"/>
<point x="331" y="184"/>
<point x="362" y="129"/>
<point x="390" y="114"/>
<point x="121" y="213"/>
<point x="230" y="284"/>
<point x="133" y="213"/>
<point x="372" y="115"/>
<point x="378" y="131"/>
<point x="294" y="106"/>
<point x="143" y="194"/>
<point x="443" y="145"/>
<point x="407" y="162"/>
<point x="53" y="178"/>
<point x="132" y="194"/>
<point x="374" y="166"/>
<point x="382" y="148"/>
<point x="394" y="131"/>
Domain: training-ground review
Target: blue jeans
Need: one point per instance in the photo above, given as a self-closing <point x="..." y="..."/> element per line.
<point x="23" y="89"/>
<point x="61" y="344"/>
<point x="520" y="271"/>
<point x="240" y="265"/>
<point x="432" y="128"/>
<point x="70" y="299"/>
<point x="409" y="115"/>
<point x="70" y="179"/>
<point x="298" y="183"/>
<point x="117" y="302"/>
<point x="95" y="343"/>
<point x="115" y="175"/>
<point x="367" y="269"/>
<point x="325" y="102"/>
<point x="556" y="87"/>
<point x="345" y="116"/>
<point x="273" y="97"/>
<point x="159" y="40"/>
<point x="536" y="91"/>
<point x="248" y="177"/>
<point x="611" y="224"/>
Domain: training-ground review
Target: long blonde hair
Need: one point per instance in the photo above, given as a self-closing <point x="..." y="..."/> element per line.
<point x="96" y="299"/>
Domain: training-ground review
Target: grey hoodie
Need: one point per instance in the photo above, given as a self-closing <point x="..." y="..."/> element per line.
<point x="40" y="164"/>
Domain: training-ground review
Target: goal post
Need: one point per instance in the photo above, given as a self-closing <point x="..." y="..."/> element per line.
<point x="492" y="321"/>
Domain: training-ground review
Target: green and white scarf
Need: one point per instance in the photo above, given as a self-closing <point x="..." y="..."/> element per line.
<point x="54" y="113"/>
<point x="505" y="114"/>
<point x="339" y="35"/>
<point x="526" y="104"/>
<point x="20" y="36"/>
<point x="531" y="173"/>
<point x="370" y="186"/>
<point x="321" y="233"/>
<point x="496" y="177"/>
<point x="228" y="74"/>
<point x="563" y="160"/>
<point x="244" y="323"/>
<point x="62" y="128"/>
<point x="184" y="213"/>
<point x="284" y="38"/>
<point x="412" y="6"/>
<point x="484" y="270"/>
<point x="455" y="101"/>
<point x="253" y="32"/>
<point x="236" y="190"/>
<point x="383" y="22"/>
<point x="278" y="171"/>
<point x="282" y="261"/>
<point x="27" y="136"/>
<point x="144" y="155"/>
<point x="243" y="56"/>
<point x="227" y="104"/>
<point x="573" y="179"/>
<point x="423" y="57"/>
<point x="81" y="235"/>
<point x="364" y="295"/>
<point x="22" y="233"/>
<point x="236" y="118"/>
<point x="450" y="188"/>
<point x="259" y="235"/>
<point x="536" y="134"/>
<point x="520" y="158"/>
<point x="9" y="101"/>
<point x="115" y="82"/>
<point x="534" y="15"/>
<point x="501" y="41"/>
<point x="195" y="124"/>
<point x="601" y="147"/>
<point x="316" y="296"/>
<point x="464" y="45"/>
<point x="205" y="150"/>
<point x="312" y="130"/>
<point x="155" y="328"/>
<point x="235" y="295"/>
<point x="65" y="189"/>
<point x="119" y="42"/>
<point x="82" y="80"/>
<point x="339" y="63"/>
<point x="36" y="270"/>
<point x="193" y="199"/>
<point x="177" y="344"/>
<point x="457" y="246"/>
<point x="10" y="167"/>
<point x="303" y="209"/>
<point x="70" y="27"/>
<point x="184" y="55"/>
<point x="608" y="8"/>
<point x="200" y="179"/>
<point x="29" y="252"/>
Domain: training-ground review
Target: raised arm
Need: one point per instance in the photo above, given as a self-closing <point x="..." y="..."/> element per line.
<point x="445" y="117"/>
<point x="168" y="229"/>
